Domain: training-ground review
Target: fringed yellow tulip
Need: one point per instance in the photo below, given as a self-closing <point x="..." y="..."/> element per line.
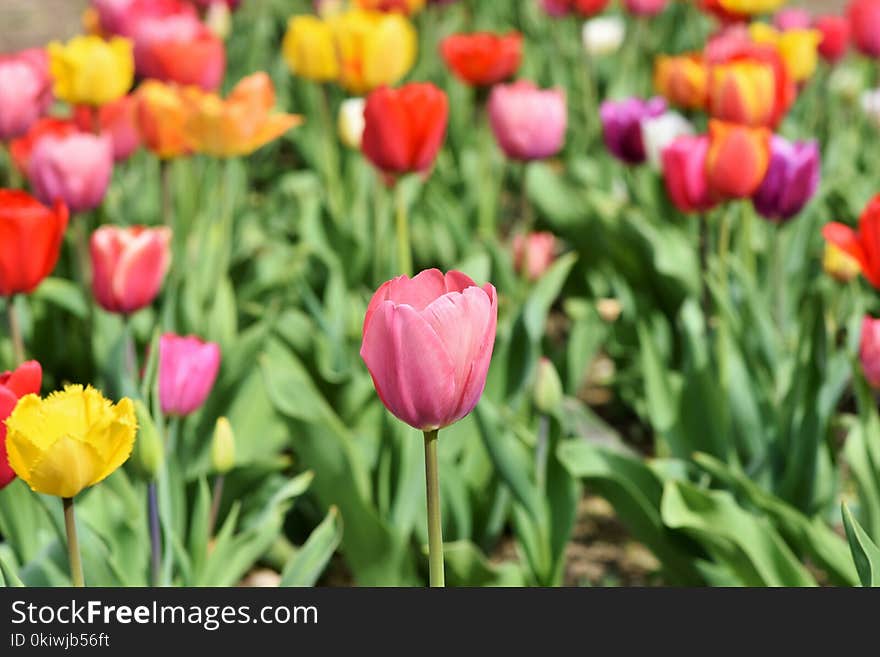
<point x="799" y="48"/>
<point x="238" y="125"/>
<point x="309" y="50"/>
<point x="90" y="71"/>
<point x="374" y="48"/>
<point x="69" y="441"/>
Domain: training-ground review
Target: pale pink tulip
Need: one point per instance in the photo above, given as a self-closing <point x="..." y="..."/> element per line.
<point x="427" y="344"/>
<point x="129" y="266"/>
<point x="529" y="123"/>
<point x="187" y="371"/>
<point x="75" y="168"/>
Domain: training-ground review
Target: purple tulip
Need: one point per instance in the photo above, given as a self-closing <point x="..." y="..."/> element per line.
<point x="622" y="126"/>
<point x="529" y="123"/>
<point x="187" y="371"/>
<point x="791" y="179"/>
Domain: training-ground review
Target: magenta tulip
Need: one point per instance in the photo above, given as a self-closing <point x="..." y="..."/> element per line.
<point x="684" y="173"/>
<point x="75" y="168"/>
<point x="427" y="344"/>
<point x="869" y="350"/>
<point x="187" y="371"/>
<point x="129" y="266"/>
<point x="791" y="181"/>
<point x="529" y="123"/>
<point x="645" y="7"/>
<point x="25" y="91"/>
<point x="622" y="126"/>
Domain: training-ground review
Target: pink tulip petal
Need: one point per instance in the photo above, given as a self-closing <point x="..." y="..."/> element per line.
<point x="412" y="372"/>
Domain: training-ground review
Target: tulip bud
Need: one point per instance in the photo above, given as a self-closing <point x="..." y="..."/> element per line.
<point x="603" y="35"/>
<point x="838" y="264"/>
<point x="869" y="350"/>
<point x="533" y="253"/>
<point x="548" y="388"/>
<point x="149" y="450"/>
<point x="351" y="122"/>
<point x="223" y="447"/>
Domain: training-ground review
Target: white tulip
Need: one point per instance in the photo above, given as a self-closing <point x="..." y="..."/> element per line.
<point x="659" y="132"/>
<point x="351" y="122"/>
<point x="871" y="105"/>
<point x="603" y="35"/>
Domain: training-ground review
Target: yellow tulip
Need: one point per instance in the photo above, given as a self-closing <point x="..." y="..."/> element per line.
<point x="841" y="266"/>
<point x="308" y="49"/>
<point x="238" y="125"/>
<point x="799" y="48"/>
<point x="69" y="441"/>
<point x="751" y="6"/>
<point x="374" y="48"/>
<point x="91" y="71"/>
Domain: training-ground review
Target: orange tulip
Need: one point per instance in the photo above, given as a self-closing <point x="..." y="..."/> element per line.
<point x="750" y="86"/>
<point x="241" y="123"/>
<point x="682" y="80"/>
<point x="162" y="117"/>
<point x="738" y="159"/>
<point x="407" y="7"/>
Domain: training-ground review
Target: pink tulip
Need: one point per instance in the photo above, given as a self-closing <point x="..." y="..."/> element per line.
<point x="75" y="168"/>
<point x="427" y="344"/>
<point x="129" y="266"/>
<point x="25" y="91"/>
<point x="187" y="371"/>
<point x="793" y="18"/>
<point x="869" y="350"/>
<point x="684" y="173"/>
<point x="645" y="7"/>
<point x="534" y="253"/>
<point x="529" y="123"/>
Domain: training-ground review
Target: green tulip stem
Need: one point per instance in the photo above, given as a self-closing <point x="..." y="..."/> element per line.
<point x="76" y="570"/>
<point x="435" y="528"/>
<point x="216" y="496"/>
<point x="724" y="275"/>
<point x="404" y="251"/>
<point x="15" y="331"/>
<point x="155" y="535"/>
<point x="165" y="192"/>
<point x="13" y="178"/>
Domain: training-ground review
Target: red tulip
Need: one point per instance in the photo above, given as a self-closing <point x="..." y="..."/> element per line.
<point x="427" y="344"/>
<point x="482" y="58"/>
<point x="835" y="37"/>
<point x="30" y="240"/>
<point x="737" y="160"/>
<point x="128" y="266"/>
<point x="862" y="244"/>
<point x="404" y="128"/>
<point x="864" y="21"/>
<point x="684" y="173"/>
<point x="23" y="381"/>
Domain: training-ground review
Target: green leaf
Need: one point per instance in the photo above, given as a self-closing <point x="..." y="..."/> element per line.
<point x="466" y="565"/>
<point x="865" y="552"/>
<point x="747" y="544"/>
<point x="306" y="566"/>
